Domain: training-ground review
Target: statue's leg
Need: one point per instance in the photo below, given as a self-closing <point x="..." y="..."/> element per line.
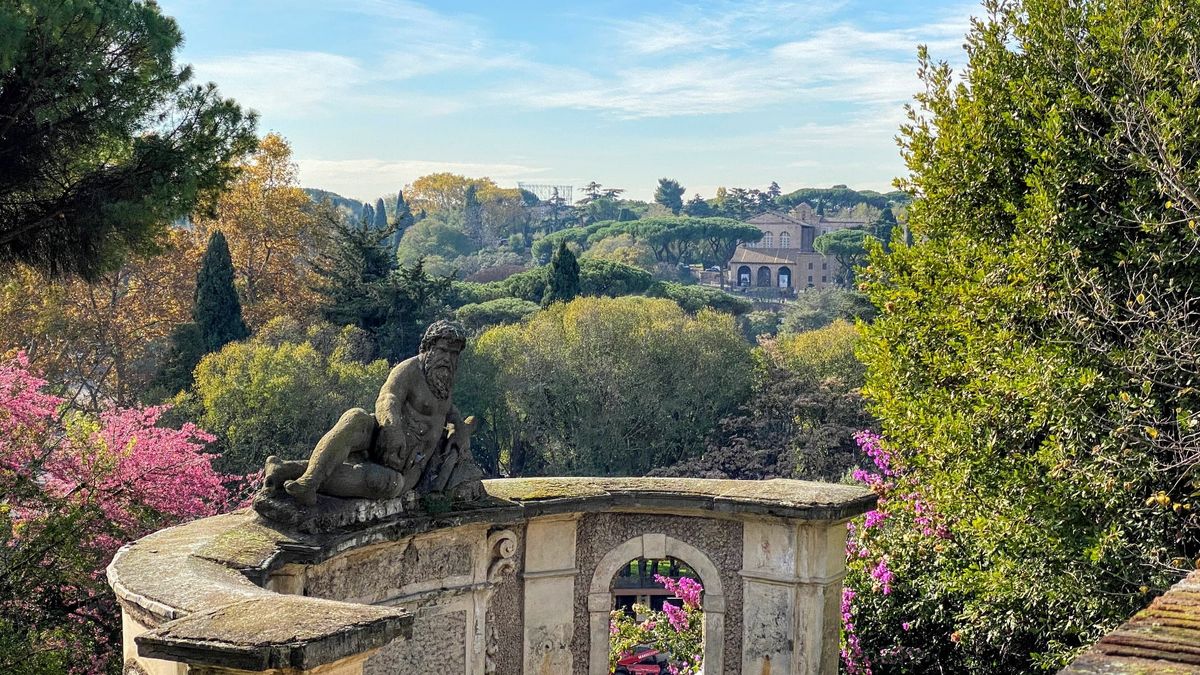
<point x="278" y="470"/>
<point x="351" y="434"/>
<point x="363" y="480"/>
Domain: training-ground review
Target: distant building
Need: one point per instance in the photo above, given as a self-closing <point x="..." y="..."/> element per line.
<point x="784" y="258"/>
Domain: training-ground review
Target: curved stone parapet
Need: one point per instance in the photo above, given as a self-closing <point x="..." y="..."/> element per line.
<point x="514" y="583"/>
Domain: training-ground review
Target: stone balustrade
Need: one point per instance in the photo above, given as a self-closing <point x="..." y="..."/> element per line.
<point x="517" y="583"/>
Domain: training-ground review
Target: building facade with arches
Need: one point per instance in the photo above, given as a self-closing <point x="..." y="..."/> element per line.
<point x="783" y="259"/>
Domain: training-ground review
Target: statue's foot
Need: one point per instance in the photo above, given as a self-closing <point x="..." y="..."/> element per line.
<point x="304" y="494"/>
<point x="271" y="472"/>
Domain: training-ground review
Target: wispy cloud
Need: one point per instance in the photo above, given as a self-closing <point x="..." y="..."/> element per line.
<point x="283" y="83"/>
<point x="732" y="58"/>
<point x="741" y="60"/>
<point x="726" y="26"/>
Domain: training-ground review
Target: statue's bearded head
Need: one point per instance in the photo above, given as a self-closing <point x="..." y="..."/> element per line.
<point x="440" y="347"/>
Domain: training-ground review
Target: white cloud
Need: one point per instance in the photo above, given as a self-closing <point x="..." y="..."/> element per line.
<point x="725" y="26"/>
<point x="283" y="83"/>
<point x="739" y="60"/>
<point x="369" y="178"/>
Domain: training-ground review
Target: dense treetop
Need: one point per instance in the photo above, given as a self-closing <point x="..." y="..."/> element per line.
<point x="104" y="141"/>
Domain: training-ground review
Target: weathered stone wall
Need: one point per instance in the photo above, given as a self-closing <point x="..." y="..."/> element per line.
<point x="379" y="573"/>
<point x="505" y="616"/>
<point x="720" y="540"/>
<point x="520" y="585"/>
<point x="438" y="645"/>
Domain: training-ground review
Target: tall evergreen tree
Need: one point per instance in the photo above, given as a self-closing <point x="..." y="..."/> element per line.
<point x="381" y="220"/>
<point x="362" y="286"/>
<point x="564" y="277"/>
<point x="697" y="206"/>
<point x="217" y="311"/>
<point x="403" y="217"/>
<point x="368" y="215"/>
<point x="473" y="215"/>
<point x="670" y="194"/>
<point x="106" y="139"/>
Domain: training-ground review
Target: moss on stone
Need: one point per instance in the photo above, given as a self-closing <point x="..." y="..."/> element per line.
<point x="248" y="545"/>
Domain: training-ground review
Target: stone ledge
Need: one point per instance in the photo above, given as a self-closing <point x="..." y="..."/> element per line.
<point x="198" y="587"/>
<point x="276" y="631"/>
<point x="776" y="497"/>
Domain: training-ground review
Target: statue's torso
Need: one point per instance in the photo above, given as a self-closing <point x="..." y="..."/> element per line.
<point x="415" y="426"/>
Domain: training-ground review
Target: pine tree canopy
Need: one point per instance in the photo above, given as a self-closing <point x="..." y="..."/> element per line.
<point x="104" y="139"/>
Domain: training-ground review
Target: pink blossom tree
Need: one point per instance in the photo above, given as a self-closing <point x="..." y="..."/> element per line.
<point x="73" y="488"/>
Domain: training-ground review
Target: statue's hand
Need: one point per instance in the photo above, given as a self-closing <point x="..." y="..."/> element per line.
<point x="393" y="457"/>
<point x="458" y="435"/>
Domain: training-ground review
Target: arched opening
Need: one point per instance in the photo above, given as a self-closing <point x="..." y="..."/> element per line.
<point x="743" y="276"/>
<point x="785" y="240"/>
<point x="659" y="548"/>
<point x="767" y="240"/>
<point x="764" y="276"/>
<point x="785" y="277"/>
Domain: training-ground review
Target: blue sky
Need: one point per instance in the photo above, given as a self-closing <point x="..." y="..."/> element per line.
<point x="374" y="93"/>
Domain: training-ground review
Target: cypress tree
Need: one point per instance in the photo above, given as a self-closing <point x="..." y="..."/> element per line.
<point x="217" y="311"/>
<point x="381" y="219"/>
<point x="564" y="277"/>
<point x="368" y="216"/>
<point x="473" y="215"/>
<point x="402" y="218"/>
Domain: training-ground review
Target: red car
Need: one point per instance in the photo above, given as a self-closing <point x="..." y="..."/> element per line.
<point x="644" y="660"/>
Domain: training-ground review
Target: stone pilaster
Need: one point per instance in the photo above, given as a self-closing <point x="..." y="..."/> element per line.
<point x="792" y="581"/>
<point x="549" y="593"/>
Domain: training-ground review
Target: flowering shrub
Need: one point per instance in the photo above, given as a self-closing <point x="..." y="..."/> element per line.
<point x="74" y="488"/>
<point x="677" y="631"/>
<point x="902" y="521"/>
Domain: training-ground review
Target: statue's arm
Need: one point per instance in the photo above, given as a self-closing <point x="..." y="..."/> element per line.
<point x="390" y="446"/>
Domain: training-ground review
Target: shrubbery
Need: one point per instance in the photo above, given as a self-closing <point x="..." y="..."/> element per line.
<point x="1033" y="367"/>
<point x="602" y="386"/>
<point x="277" y="397"/>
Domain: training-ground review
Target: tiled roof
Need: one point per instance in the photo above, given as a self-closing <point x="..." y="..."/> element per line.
<point x="1163" y="639"/>
<point x="766" y="256"/>
<point x="774" y="217"/>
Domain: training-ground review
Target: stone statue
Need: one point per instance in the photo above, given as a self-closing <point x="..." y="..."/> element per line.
<point x="415" y="444"/>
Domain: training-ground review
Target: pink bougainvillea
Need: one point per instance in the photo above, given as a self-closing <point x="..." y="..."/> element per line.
<point x="685" y="588"/>
<point x="676" y="631"/>
<point x="896" y="508"/>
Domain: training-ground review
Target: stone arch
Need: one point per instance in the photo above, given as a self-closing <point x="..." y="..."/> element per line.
<point x="785" y="240"/>
<point x="743" y="275"/>
<point x="655" y="546"/>
<point x="785" y="277"/>
<point x="764" y="276"/>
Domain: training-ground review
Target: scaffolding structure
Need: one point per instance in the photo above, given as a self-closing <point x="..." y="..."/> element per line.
<point x="546" y="191"/>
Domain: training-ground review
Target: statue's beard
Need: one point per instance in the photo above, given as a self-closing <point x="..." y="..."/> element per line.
<point x="439" y="374"/>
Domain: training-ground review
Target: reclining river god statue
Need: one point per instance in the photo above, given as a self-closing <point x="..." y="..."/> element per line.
<point x="415" y="444"/>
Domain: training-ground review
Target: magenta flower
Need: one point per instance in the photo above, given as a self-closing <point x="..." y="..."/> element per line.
<point x="686" y="589"/>
<point x="676" y="616"/>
